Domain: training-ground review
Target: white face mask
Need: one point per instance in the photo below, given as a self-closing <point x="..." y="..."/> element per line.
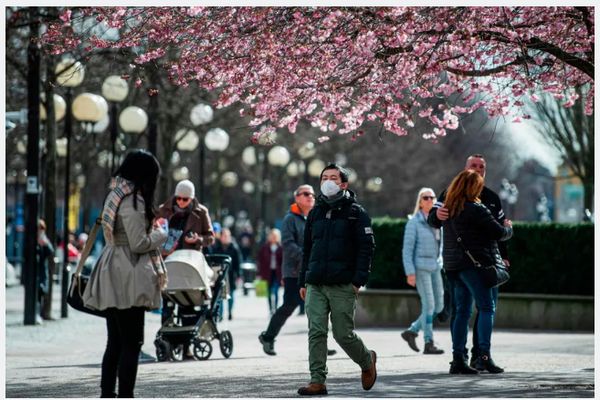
<point x="330" y="188"/>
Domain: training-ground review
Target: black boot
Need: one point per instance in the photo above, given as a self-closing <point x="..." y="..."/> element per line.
<point x="485" y="363"/>
<point x="459" y="366"/>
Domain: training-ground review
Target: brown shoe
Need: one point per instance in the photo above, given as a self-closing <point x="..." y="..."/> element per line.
<point x="313" y="389"/>
<point x="369" y="376"/>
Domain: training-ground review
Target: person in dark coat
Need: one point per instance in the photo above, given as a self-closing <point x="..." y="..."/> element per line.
<point x="45" y="250"/>
<point x="471" y="232"/>
<point x="226" y="245"/>
<point x="439" y="213"/>
<point x="338" y="250"/>
<point x="269" y="260"/>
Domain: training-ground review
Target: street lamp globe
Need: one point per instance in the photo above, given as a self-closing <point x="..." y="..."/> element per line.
<point x="315" y="167"/>
<point x="295" y="168"/>
<point x="229" y="179"/>
<point x="133" y="119"/>
<point x="278" y="156"/>
<point x="181" y="173"/>
<point x="374" y="184"/>
<point x="89" y="107"/>
<point x="201" y="114"/>
<point x="307" y="150"/>
<point x="187" y="140"/>
<point x="60" y="107"/>
<point x="249" y="156"/>
<point x="248" y="187"/>
<point x="115" y="88"/>
<point x="175" y="158"/>
<point x="69" y="73"/>
<point x="61" y="147"/>
<point x="352" y="176"/>
<point x="216" y="139"/>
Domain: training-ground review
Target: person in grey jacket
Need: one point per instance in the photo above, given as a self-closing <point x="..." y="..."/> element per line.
<point x="129" y="274"/>
<point x="422" y="266"/>
<point x="292" y="240"/>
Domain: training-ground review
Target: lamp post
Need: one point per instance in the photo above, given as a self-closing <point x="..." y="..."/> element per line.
<point x="115" y="90"/>
<point x="279" y="156"/>
<point x="217" y="139"/>
<point x="88" y="108"/>
<point x="201" y="114"/>
<point x="70" y="74"/>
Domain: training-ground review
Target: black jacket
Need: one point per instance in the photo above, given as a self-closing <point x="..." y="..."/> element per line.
<point x="490" y="199"/>
<point x="480" y="233"/>
<point x="338" y="243"/>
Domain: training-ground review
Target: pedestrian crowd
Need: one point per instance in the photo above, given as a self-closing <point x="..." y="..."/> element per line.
<point x="321" y="256"/>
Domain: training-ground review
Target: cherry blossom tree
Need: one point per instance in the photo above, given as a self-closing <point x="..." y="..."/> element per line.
<point x="338" y="67"/>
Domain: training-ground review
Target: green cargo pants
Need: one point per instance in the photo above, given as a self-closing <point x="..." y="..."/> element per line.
<point x="340" y="302"/>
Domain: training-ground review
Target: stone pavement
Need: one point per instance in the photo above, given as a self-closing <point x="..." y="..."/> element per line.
<point x="62" y="359"/>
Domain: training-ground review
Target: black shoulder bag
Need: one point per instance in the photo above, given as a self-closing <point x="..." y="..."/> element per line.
<point x="492" y="275"/>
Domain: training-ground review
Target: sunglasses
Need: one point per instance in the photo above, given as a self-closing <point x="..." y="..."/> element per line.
<point x="428" y="197"/>
<point x="182" y="198"/>
<point x="307" y="194"/>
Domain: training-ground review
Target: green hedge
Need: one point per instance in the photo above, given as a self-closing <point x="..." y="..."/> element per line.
<point x="545" y="258"/>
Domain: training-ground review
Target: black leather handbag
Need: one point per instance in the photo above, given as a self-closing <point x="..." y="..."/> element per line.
<point x="79" y="282"/>
<point x="492" y="275"/>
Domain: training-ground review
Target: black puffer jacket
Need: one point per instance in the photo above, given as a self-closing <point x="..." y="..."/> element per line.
<point x="338" y="243"/>
<point x="479" y="231"/>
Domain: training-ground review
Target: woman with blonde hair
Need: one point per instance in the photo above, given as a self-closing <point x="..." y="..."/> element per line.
<point x="471" y="232"/>
<point x="422" y="266"/>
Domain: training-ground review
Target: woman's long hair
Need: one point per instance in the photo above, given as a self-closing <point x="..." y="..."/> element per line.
<point x="466" y="186"/>
<point x="142" y="169"/>
<point x="418" y="203"/>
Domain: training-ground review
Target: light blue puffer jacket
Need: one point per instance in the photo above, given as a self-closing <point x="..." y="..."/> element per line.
<point x="422" y="245"/>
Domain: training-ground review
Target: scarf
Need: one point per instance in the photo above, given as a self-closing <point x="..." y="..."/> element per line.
<point x="119" y="188"/>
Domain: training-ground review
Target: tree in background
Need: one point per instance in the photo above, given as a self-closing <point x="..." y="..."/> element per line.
<point x="564" y="124"/>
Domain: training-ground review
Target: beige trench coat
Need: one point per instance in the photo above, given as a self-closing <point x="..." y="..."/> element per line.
<point x="124" y="276"/>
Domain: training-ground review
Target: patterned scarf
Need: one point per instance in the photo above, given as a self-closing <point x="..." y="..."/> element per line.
<point x="119" y="188"/>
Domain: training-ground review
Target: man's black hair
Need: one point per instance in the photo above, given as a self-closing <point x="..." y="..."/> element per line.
<point x="343" y="171"/>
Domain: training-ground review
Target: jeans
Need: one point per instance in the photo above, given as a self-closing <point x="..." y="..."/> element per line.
<point x="273" y="291"/>
<point x="339" y="301"/>
<point x="125" y="338"/>
<point x="431" y="291"/>
<point x="291" y="300"/>
<point x="475" y="349"/>
<point x="467" y="285"/>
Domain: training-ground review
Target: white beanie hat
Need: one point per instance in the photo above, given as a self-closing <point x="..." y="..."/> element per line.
<point x="185" y="188"/>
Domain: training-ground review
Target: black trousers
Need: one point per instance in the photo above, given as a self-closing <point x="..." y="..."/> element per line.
<point x="291" y="300"/>
<point x="125" y="338"/>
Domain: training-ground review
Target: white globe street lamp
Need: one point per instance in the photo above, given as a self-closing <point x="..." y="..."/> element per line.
<point x="201" y="114"/>
<point x="308" y="150"/>
<point x="69" y="73"/>
<point x="229" y="179"/>
<point x="133" y="120"/>
<point x="248" y="187"/>
<point x="60" y="107"/>
<point x="249" y="156"/>
<point x="278" y="156"/>
<point x="89" y="107"/>
<point x="187" y="140"/>
<point x="115" y="90"/>
<point x="374" y="184"/>
<point x="181" y="173"/>
<point x="216" y="139"/>
<point x="315" y="167"/>
<point x="295" y="168"/>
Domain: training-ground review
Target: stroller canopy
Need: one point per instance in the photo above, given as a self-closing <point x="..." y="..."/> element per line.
<point x="188" y="269"/>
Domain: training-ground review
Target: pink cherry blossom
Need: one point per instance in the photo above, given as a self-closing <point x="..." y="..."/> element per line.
<point x="337" y="67"/>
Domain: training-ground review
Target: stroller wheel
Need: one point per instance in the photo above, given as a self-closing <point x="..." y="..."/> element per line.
<point x="163" y="349"/>
<point x="202" y="349"/>
<point x="177" y="353"/>
<point x="226" y="343"/>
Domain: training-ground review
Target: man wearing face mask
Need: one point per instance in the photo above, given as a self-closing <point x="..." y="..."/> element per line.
<point x="338" y="250"/>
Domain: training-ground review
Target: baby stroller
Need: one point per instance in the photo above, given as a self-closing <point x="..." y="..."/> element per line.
<point x="199" y="282"/>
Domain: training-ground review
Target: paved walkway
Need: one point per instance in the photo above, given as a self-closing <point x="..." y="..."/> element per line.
<point x="62" y="359"/>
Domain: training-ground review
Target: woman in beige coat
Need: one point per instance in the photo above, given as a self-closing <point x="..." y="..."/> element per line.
<point x="129" y="274"/>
